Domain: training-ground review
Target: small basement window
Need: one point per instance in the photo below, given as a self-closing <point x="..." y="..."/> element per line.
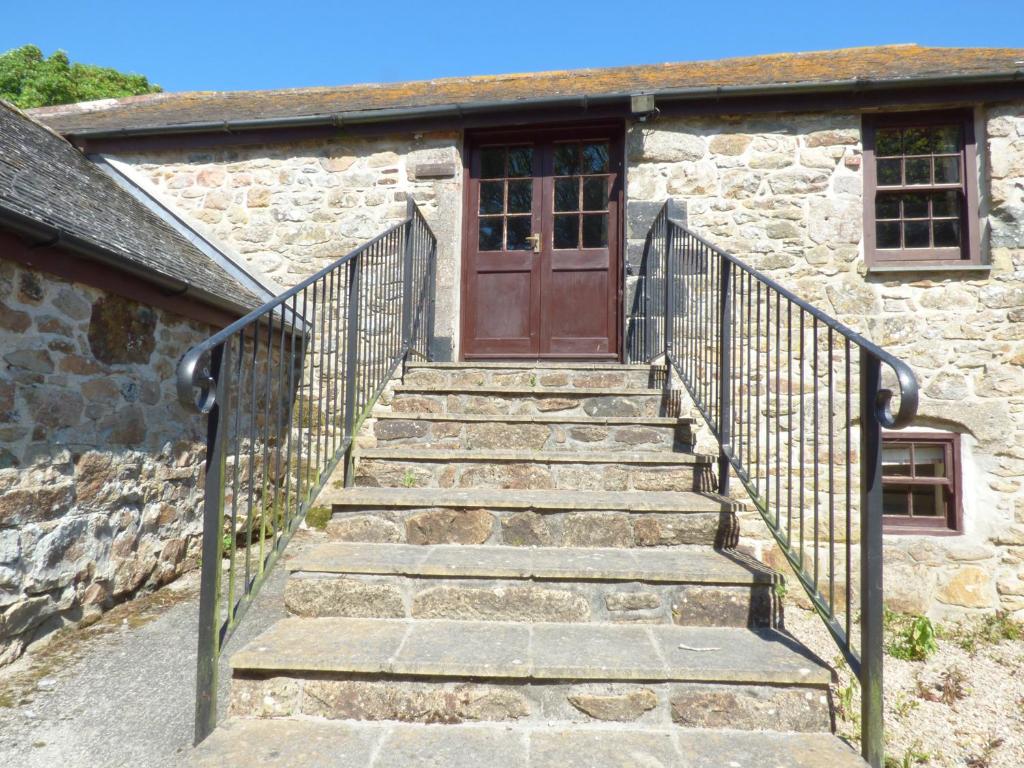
<point x="920" y="189"/>
<point x="921" y="490"/>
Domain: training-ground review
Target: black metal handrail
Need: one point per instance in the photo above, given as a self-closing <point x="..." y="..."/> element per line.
<point x="775" y="379"/>
<point x="286" y="389"/>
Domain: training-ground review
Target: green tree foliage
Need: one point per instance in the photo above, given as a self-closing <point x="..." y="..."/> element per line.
<point x="28" y="79"/>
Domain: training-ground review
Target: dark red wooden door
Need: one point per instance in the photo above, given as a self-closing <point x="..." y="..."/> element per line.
<point x="541" y="265"/>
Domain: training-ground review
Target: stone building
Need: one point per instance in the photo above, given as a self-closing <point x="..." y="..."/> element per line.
<point x="885" y="185"/>
<point x="99" y="464"/>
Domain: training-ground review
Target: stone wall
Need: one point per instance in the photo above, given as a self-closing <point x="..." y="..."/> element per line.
<point x="784" y="192"/>
<point x="100" y="467"/>
<point x="289" y="210"/>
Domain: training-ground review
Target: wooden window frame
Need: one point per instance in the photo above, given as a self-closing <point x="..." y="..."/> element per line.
<point x="969" y="252"/>
<point x="925" y="526"/>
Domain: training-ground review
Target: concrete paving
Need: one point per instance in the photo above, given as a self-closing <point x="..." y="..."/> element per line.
<point x="121" y="692"/>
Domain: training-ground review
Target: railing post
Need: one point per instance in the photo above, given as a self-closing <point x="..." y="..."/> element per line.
<point x="407" y="305"/>
<point x="355" y="270"/>
<point x="667" y="279"/>
<point x="213" y="528"/>
<point x="872" y="733"/>
<point x="431" y="303"/>
<point x="725" y="372"/>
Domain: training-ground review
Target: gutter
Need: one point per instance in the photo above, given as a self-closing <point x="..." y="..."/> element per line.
<point x="356" y="117"/>
<point x="54" y="236"/>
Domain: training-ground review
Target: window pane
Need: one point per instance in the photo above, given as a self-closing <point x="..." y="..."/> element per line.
<point x="492" y="163"/>
<point x="946" y="233"/>
<point x="491" y="231"/>
<point x="946" y="138"/>
<point x="595" y="231"/>
<point x="916" y="234"/>
<point x="520" y="196"/>
<point x="887" y="233"/>
<point x="896" y="461"/>
<point x="895" y="500"/>
<point x="887" y="142"/>
<point x="919" y="170"/>
<point x="566" y="159"/>
<point x="889" y="172"/>
<point x="928" y="501"/>
<point x="929" y="461"/>
<point x="518" y="231"/>
<point x="915" y="206"/>
<point x="520" y="161"/>
<point x="567" y="194"/>
<point x="567" y="231"/>
<point x="595" y="193"/>
<point x="595" y="158"/>
<point x="917" y="141"/>
<point x="492" y="196"/>
<point x="887" y="207"/>
<point x="945" y="203"/>
<point x="947" y="170"/>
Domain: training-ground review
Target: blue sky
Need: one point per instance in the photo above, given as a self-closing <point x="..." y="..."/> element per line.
<point x="225" y="44"/>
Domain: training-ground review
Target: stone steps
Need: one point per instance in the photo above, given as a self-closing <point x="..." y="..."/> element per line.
<point x="451" y="671"/>
<point x="531" y="374"/>
<point x="529" y="517"/>
<point x="408" y="467"/>
<point x="531" y="432"/>
<point x="685" y="586"/>
<point x="289" y="743"/>
<point x="537" y="401"/>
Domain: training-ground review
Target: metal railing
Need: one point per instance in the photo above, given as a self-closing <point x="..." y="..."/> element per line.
<point x="785" y="389"/>
<point x="285" y="389"/>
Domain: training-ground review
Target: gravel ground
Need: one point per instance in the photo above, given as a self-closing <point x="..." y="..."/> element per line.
<point x="957" y="708"/>
<point x="122" y="691"/>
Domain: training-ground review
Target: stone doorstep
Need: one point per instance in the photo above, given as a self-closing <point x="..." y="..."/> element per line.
<point x="457" y="650"/>
<point x="531" y="364"/>
<point x="557" y="704"/>
<point x="678" y="565"/>
<point x="562" y="392"/>
<point x="447" y="456"/>
<point x="290" y="743"/>
<point x="598" y="421"/>
<point x="527" y="499"/>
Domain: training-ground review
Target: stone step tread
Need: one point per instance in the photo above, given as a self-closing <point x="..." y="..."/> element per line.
<point x="485" y="498"/>
<point x="531" y="364"/>
<point x="490" y="389"/>
<point x="519" y="651"/>
<point x="624" y="421"/>
<point x="679" y="565"/>
<point x="284" y="743"/>
<point x="444" y="455"/>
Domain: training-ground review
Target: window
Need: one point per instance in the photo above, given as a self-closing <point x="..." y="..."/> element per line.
<point x="921" y="483"/>
<point x="920" y="190"/>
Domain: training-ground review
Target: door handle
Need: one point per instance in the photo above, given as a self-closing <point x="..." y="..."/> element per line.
<point x="535" y="239"/>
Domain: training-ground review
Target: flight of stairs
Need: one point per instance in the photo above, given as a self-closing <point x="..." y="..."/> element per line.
<point x="531" y="570"/>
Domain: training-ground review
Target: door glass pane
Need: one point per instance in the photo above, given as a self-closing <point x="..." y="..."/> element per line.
<point x="518" y="231"/>
<point x="947" y="170"/>
<point x="895" y="500"/>
<point x="567" y="194"/>
<point x="492" y="163"/>
<point x="915" y="234"/>
<point x="887" y="206"/>
<point x="491" y="196"/>
<point x="491" y="233"/>
<point x="889" y="172"/>
<point x="946" y="138"/>
<point x="566" y="159"/>
<point x="595" y="231"/>
<point x="520" y="161"/>
<point x="566" y="234"/>
<point x="919" y="170"/>
<point x="915" y="206"/>
<point x="520" y="196"/>
<point x="945" y="204"/>
<point x="917" y="141"/>
<point x="946" y="233"/>
<point x="887" y="233"/>
<point x="595" y="158"/>
<point x="887" y="142"/>
<point x="595" y="193"/>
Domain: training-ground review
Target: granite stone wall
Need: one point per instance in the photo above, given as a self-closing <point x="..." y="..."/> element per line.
<point x="784" y="192"/>
<point x="100" y="467"/>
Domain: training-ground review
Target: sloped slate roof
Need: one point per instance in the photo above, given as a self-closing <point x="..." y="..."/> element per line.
<point x="884" y="64"/>
<point x="46" y="180"/>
